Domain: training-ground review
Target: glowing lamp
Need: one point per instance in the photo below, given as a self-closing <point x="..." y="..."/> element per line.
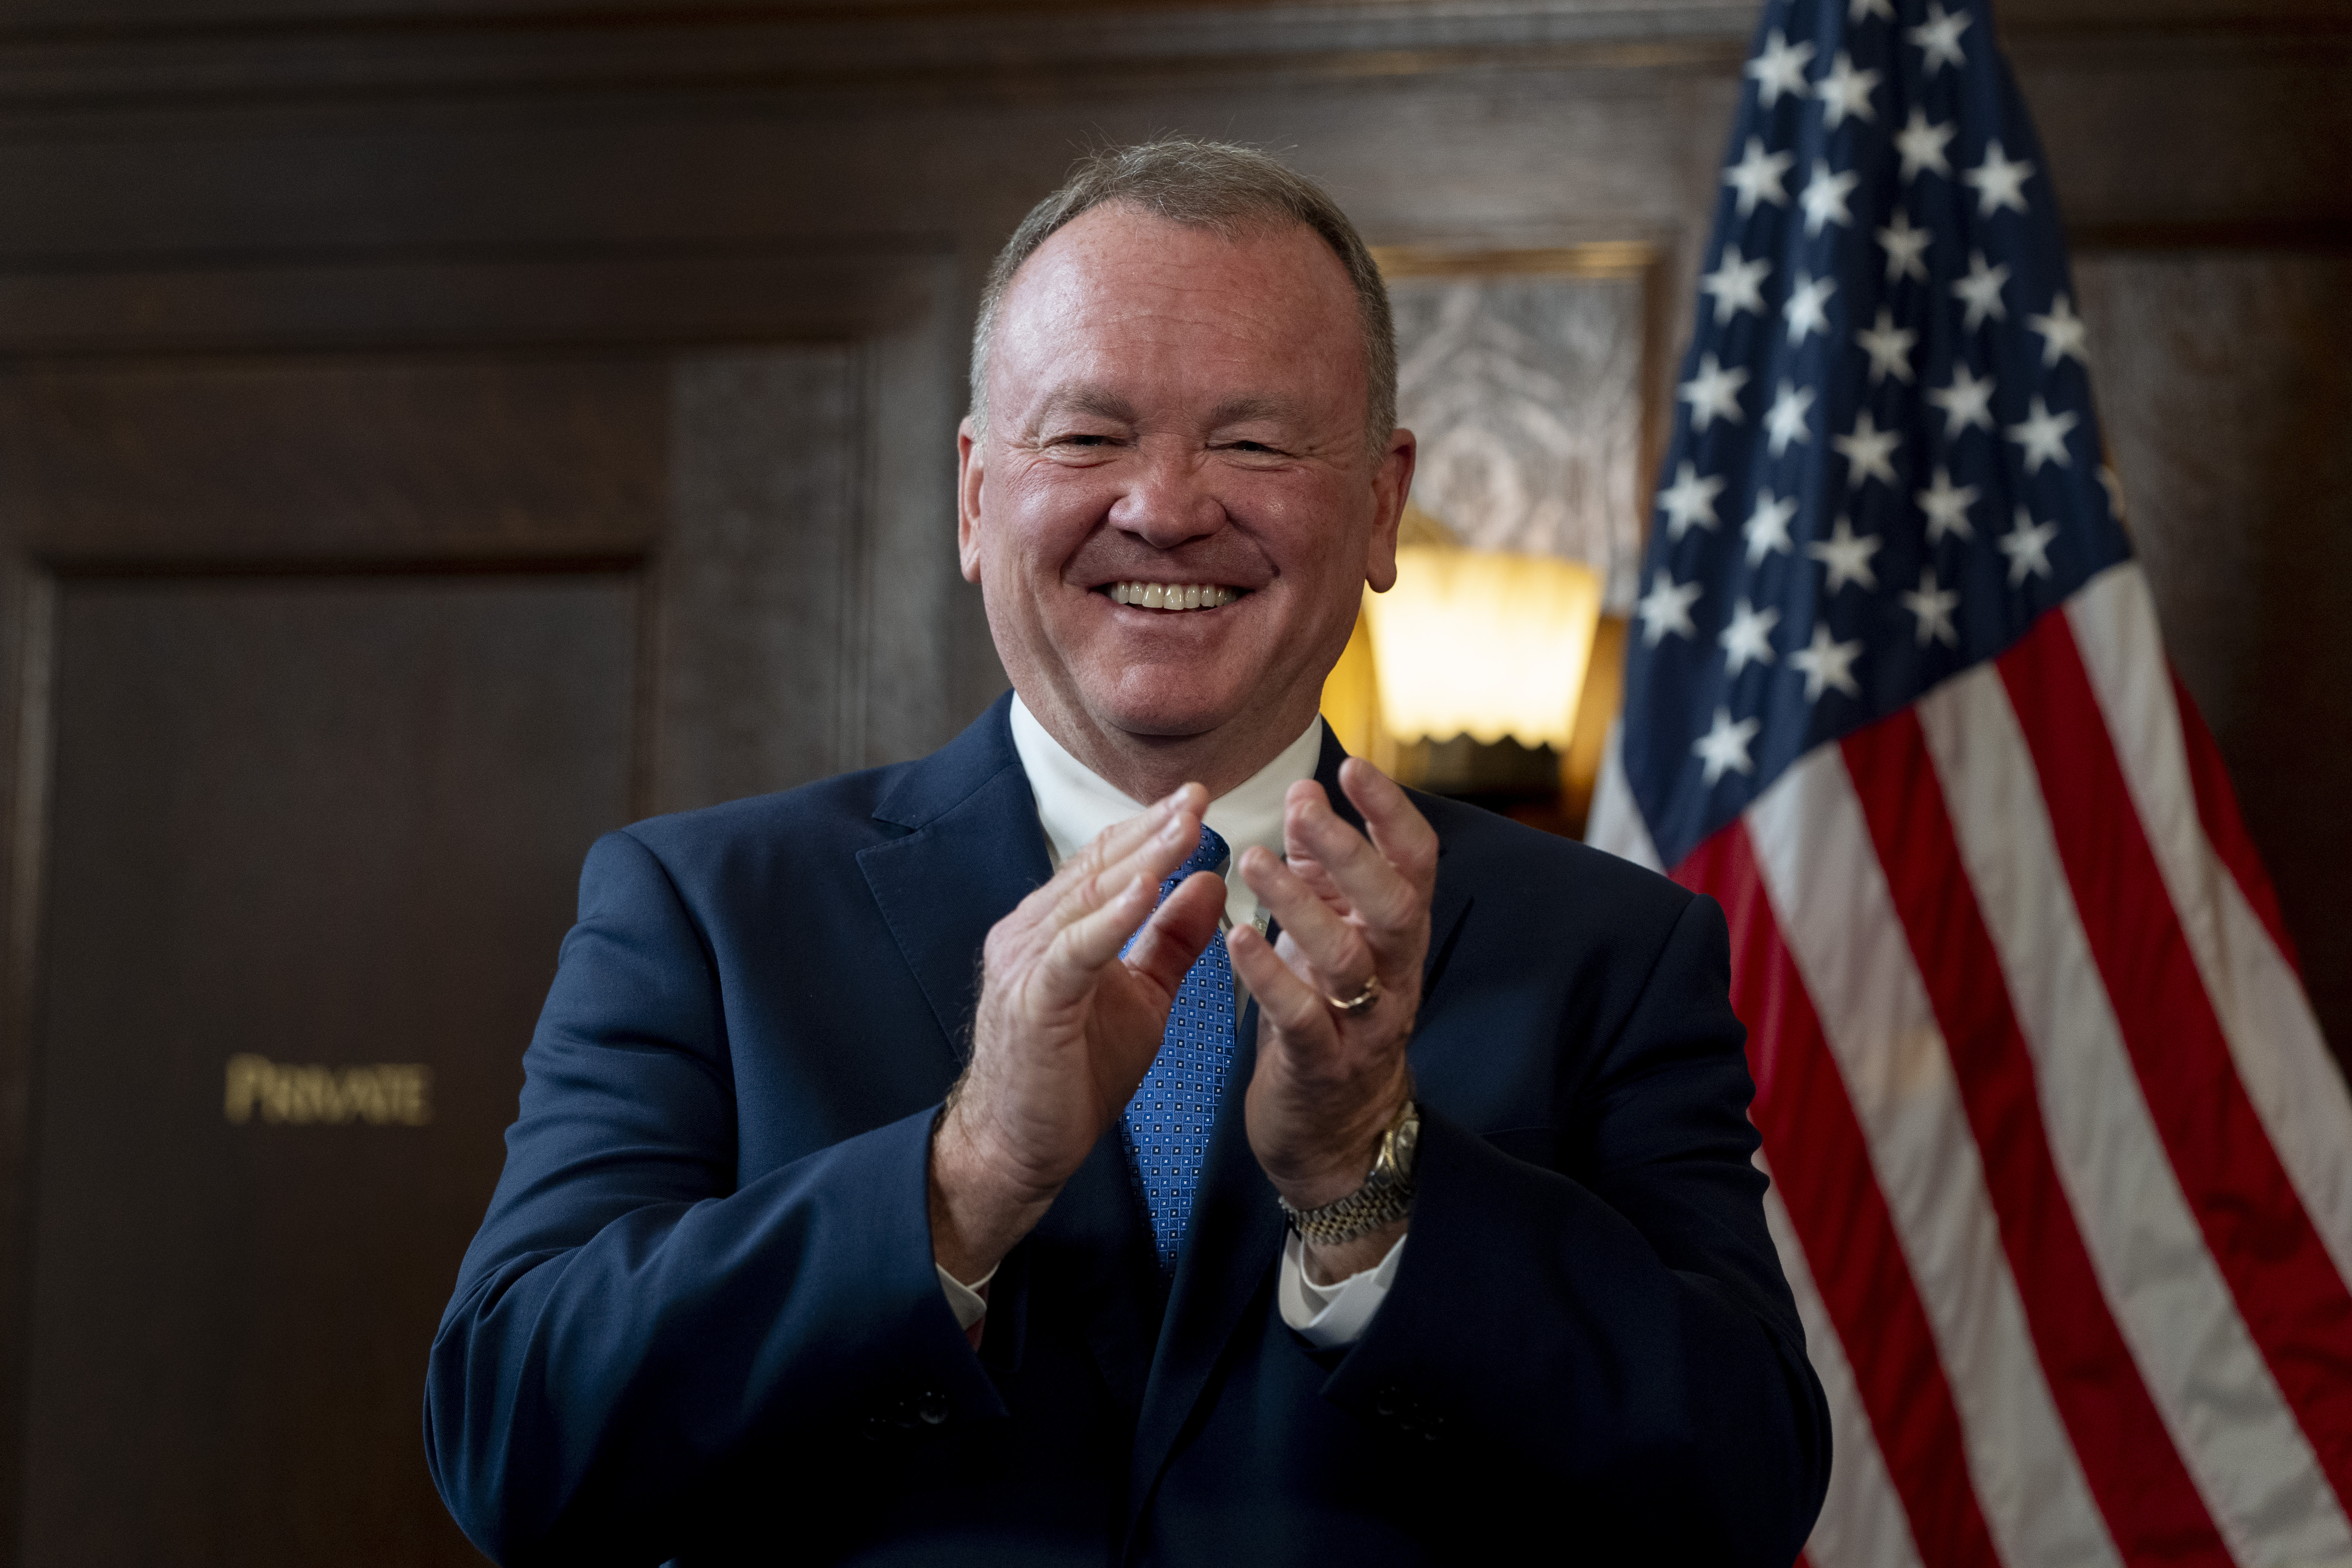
<point x="1484" y="644"/>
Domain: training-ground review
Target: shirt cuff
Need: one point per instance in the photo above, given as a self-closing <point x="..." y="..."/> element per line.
<point x="1329" y="1316"/>
<point x="968" y="1302"/>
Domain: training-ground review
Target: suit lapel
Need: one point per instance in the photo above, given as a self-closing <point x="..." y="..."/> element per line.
<point x="973" y="851"/>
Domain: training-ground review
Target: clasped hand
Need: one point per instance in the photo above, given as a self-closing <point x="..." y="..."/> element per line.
<point x="1066" y="1027"/>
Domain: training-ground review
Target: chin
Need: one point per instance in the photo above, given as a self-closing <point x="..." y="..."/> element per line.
<point x="1169" y="705"/>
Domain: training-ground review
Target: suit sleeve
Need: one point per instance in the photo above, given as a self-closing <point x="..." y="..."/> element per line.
<point x="1622" y="1336"/>
<point x="630" y="1323"/>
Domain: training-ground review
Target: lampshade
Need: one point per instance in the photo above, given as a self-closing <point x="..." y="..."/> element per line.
<point x="1482" y="642"/>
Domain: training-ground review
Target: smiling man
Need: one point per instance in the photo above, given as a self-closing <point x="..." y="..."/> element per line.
<point x="1137" y="1132"/>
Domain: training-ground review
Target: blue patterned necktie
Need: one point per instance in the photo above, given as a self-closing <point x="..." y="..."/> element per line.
<point x="1167" y="1120"/>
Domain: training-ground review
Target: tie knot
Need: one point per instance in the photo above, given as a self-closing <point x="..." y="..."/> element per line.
<point x="1208" y="855"/>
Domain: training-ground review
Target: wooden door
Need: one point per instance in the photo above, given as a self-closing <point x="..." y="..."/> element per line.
<point x="333" y="657"/>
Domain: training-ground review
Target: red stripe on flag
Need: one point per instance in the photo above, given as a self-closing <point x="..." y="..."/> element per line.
<point x="2286" y="1288"/>
<point x="2225" y="829"/>
<point x="2152" y="1508"/>
<point x="1823" y="1167"/>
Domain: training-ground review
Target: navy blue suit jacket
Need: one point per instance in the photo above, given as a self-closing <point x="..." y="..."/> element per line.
<point x="701" y="1322"/>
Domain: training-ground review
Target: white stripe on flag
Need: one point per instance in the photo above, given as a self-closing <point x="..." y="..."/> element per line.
<point x="1614" y="822"/>
<point x="2228" y="1419"/>
<point x="1827" y="890"/>
<point x="1863" y="1524"/>
<point x="2295" y="1086"/>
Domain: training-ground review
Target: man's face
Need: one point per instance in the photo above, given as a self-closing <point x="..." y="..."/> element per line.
<point x="1170" y="409"/>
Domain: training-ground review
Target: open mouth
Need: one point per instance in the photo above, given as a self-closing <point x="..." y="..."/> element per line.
<point x="1172" y="595"/>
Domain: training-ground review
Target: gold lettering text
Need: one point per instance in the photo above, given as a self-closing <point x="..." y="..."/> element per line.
<point x="381" y="1094"/>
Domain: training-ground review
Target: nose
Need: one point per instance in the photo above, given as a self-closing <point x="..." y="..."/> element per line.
<point x="1169" y="498"/>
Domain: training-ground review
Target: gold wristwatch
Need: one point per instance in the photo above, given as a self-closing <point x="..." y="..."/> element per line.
<point x="1385" y="1197"/>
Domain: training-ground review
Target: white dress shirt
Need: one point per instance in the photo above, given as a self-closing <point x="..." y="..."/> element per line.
<point x="1073" y="804"/>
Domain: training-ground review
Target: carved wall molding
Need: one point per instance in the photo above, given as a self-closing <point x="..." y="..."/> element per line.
<point x="129" y="54"/>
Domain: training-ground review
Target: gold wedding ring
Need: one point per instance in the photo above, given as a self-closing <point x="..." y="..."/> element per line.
<point x="1358" y="1005"/>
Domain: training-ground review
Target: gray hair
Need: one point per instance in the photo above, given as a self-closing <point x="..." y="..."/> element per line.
<point x="1213" y="185"/>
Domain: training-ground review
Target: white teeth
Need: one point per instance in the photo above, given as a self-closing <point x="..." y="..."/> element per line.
<point x="1171" y="595"/>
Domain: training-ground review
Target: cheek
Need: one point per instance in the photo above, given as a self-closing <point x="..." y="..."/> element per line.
<point x="1045" y="514"/>
<point x="1313" y="528"/>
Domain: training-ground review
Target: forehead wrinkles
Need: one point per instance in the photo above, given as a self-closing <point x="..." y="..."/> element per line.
<point x="1098" y="302"/>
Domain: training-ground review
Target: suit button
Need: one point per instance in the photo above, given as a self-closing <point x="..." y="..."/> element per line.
<point x="1390" y="1403"/>
<point x="932" y="1409"/>
<point x="877" y="1429"/>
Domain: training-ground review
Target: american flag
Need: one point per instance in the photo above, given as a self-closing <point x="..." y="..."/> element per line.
<point x="2062" y="1169"/>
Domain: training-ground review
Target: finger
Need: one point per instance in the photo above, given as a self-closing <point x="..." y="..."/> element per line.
<point x="1154" y="854"/>
<point x="1294" y="1007"/>
<point x="1399" y="831"/>
<point x="1184" y="924"/>
<point x="1332" y="947"/>
<point x="1111" y="848"/>
<point x="1309" y="870"/>
<point x="1082" y="949"/>
<point x="1378" y="893"/>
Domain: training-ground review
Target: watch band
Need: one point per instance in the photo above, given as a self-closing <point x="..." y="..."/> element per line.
<point x="1386" y="1195"/>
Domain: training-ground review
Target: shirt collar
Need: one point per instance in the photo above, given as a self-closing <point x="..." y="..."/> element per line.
<point x="1073" y="803"/>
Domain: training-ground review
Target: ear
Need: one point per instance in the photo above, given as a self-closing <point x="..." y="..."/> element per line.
<point x="970" y="466"/>
<point x="1392" y="483"/>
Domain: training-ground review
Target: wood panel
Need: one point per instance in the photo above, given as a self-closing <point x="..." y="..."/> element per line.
<point x="342" y="629"/>
<point x="321" y="821"/>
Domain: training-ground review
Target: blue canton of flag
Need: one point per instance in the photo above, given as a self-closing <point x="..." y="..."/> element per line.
<point x="1884" y="464"/>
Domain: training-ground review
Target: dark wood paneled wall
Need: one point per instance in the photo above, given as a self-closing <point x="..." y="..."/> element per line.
<point x="360" y="358"/>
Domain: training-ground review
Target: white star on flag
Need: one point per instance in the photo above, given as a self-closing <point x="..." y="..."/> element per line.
<point x="1807" y="309"/>
<point x="1860" y="11"/>
<point x="1748" y="639"/>
<point x="1825" y="662"/>
<point x="1786" y="421"/>
<point x="1999" y="182"/>
<point x="1757" y="176"/>
<point x="1868" y="449"/>
<point x="1767" y="529"/>
<point x="2064" y="333"/>
<point x="2028" y="548"/>
<point x="1844" y="92"/>
<point x="1666" y="608"/>
<point x="1724" y="749"/>
<point x="1690" y="499"/>
<point x="1714" y="391"/>
<point x="1939" y="36"/>
<point x="1966" y="401"/>
<point x="1847" y="557"/>
<point x="1907" y="247"/>
<point x="1737" y="284"/>
<point x="1889" y="348"/>
<point x="1922" y="145"/>
<point x="1779" y="69"/>
<point x="1980" y="289"/>
<point x="2043" y="436"/>
<point x="1823" y="197"/>
<point x="1934" y="607"/>
<point x="1947" y="506"/>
